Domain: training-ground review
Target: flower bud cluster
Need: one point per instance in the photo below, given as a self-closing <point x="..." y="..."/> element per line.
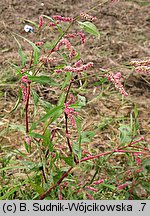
<point x="46" y="59"/>
<point x="137" y="159"/>
<point x="73" y="53"/>
<point x="78" y="69"/>
<point x="143" y="70"/>
<point x="51" y="24"/>
<point x="28" y="140"/>
<point x="78" y="63"/>
<point x="140" y="63"/>
<point x="120" y="187"/>
<point x="39" y="43"/>
<point x="41" y="21"/>
<point x="88" y="17"/>
<point x="82" y="36"/>
<point x="115" y="79"/>
<point x="91" y="189"/>
<point x="24" y="81"/>
<point x="142" y="66"/>
<point x="98" y="182"/>
<point x="70" y="111"/>
<point x="61" y="18"/>
<point x="73" y="35"/>
<point x="89" y="196"/>
<point x="58" y="70"/>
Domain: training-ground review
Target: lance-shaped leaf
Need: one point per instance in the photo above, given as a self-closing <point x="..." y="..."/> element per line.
<point x="89" y="28"/>
<point x="43" y="80"/>
<point x="22" y="55"/>
<point x="36" y="50"/>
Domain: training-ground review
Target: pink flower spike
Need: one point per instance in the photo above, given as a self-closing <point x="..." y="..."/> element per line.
<point x="91" y="188"/>
<point x="78" y="69"/>
<point x="140" y="63"/>
<point x="117" y="76"/>
<point x="78" y="63"/>
<point x="41" y="21"/>
<point x="137" y="159"/>
<point x="28" y="140"/>
<point x="114" y="78"/>
<point x="98" y="182"/>
<point x="89" y="196"/>
<point x="143" y="70"/>
<point x="71" y="35"/>
<point x="88" y="17"/>
<point x="120" y="187"/>
<point x="63" y="41"/>
<point x="73" y="53"/>
<point x="82" y="36"/>
<point x="70" y="113"/>
<point x="59" y="71"/>
<point x="24" y="81"/>
<point x="61" y="18"/>
<point x="139" y="170"/>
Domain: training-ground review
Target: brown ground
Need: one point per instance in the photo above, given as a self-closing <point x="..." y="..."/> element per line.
<point x="124" y="27"/>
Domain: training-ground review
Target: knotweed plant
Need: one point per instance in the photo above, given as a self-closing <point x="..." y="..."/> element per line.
<point x="53" y="136"/>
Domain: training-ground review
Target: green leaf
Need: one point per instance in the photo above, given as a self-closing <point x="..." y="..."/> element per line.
<point x="46" y="105"/>
<point x="12" y="168"/>
<point x="35" y="97"/>
<point x="37" y="188"/>
<point x="87" y="136"/>
<point x="23" y="56"/>
<point x="51" y="113"/>
<point x="43" y="80"/>
<point x="76" y="148"/>
<point x="78" y="124"/>
<point x="111" y="187"/>
<point x="146" y="164"/>
<point x="82" y="100"/>
<point x="61" y="99"/>
<point x="69" y="160"/>
<point x="9" y="193"/>
<point x="125" y="134"/>
<point x="31" y="22"/>
<point x="89" y="28"/>
<point x="67" y="80"/>
<point x="27" y="147"/>
<point x="35" y="135"/>
<point x="18" y="100"/>
<point x="17" y="127"/>
<point x="18" y="69"/>
<point x="36" y="50"/>
<point x="47" y="136"/>
<point x="77" y="57"/>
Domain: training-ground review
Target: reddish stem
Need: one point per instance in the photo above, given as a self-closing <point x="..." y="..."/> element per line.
<point x="56" y="184"/>
<point x="26" y="107"/>
<point x="66" y="119"/>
